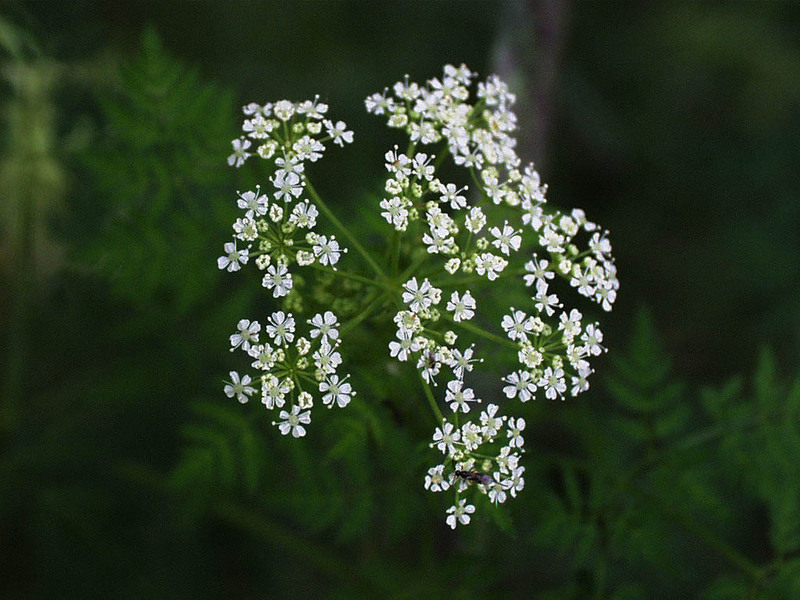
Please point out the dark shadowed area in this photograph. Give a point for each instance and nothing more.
(125, 472)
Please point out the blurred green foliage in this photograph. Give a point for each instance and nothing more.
(126, 473)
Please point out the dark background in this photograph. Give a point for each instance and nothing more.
(126, 473)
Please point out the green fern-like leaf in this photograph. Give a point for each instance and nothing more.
(643, 383)
(159, 167)
(223, 452)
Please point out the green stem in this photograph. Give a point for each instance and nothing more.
(345, 231)
(432, 401)
(473, 279)
(346, 275)
(485, 334)
(395, 251)
(421, 258)
(363, 315)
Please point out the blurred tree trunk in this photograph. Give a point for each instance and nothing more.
(527, 56)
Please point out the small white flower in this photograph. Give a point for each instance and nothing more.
(240, 388)
(378, 104)
(264, 355)
(419, 296)
(490, 264)
(592, 338)
(545, 302)
(461, 362)
(289, 185)
(579, 382)
(240, 153)
(247, 334)
(429, 364)
(435, 480)
(506, 240)
(458, 397)
(245, 229)
(335, 391)
(497, 490)
(530, 356)
(403, 349)
(570, 323)
(398, 163)
(446, 437)
(452, 196)
(452, 265)
(516, 481)
(233, 258)
(471, 436)
(325, 325)
(600, 245)
(476, 220)
(463, 308)
(491, 424)
(459, 513)
(517, 325)
(553, 382)
(253, 203)
(327, 252)
(278, 279)
(422, 168)
(515, 428)
(520, 384)
(273, 391)
(304, 215)
(339, 132)
(327, 358)
(395, 212)
(294, 421)
(284, 109)
(280, 327)
(307, 148)
(537, 271)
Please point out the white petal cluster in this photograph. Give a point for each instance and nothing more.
(277, 227)
(465, 216)
(495, 224)
(291, 369)
(482, 456)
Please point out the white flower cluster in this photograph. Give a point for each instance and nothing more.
(277, 228)
(290, 366)
(504, 221)
(477, 137)
(469, 444)
(461, 236)
(468, 451)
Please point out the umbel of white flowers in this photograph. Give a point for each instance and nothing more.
(492, 230)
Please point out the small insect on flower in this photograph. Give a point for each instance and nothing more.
(474, 476)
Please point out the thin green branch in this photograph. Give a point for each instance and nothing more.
(469, 326)
(345, 231)
(473, 279)
(347, 275)
(375, 303)
(432, 401)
